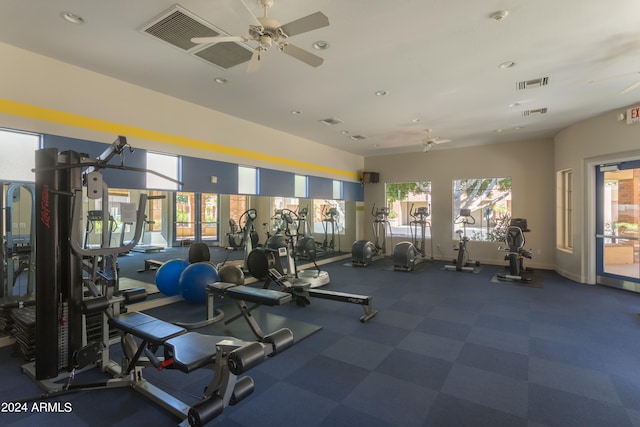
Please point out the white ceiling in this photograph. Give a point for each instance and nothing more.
(438, 60)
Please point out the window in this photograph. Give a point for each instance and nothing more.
(402, 199)
(337, 190)
(328, 217)
(237, 206)
(165, 164)
(301, 186)
(247, 180)
(564, 196)
(22, 146)
(489, 201)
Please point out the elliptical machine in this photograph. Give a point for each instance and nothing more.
(365, 252)
(461, 263)
(516, 253)
(329, 216)
(406, 255)
(249, 235)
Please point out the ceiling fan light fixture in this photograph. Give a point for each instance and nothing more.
(72, 18)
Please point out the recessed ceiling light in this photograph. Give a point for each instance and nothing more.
(381, 93)
(320, 45)
(220, 80)
(498, 131)
(72, 18)
(499, 15)
(358, 137)
(345, 132)
(416, 120)
(514, 104)
(507, 64)
(331, 121)
(296, 112)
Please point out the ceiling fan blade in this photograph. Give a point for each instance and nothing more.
(218, 39)
(256, 61)
(630, 88)
(308, 23)
(613, 77)
(253, 17)
(302, 55)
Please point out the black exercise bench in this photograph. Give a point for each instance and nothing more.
(242, 294)
(187, 351)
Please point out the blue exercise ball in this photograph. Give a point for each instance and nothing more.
(194, 281)
(168, 276)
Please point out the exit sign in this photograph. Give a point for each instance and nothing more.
(633, 115)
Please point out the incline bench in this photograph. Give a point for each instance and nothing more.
(187, 351)
(241, 295)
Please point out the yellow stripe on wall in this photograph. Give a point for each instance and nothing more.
(59, 117)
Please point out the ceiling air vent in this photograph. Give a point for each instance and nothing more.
(530, 84)
(358, 137)
(225, 55)
(332, 121)
(537, 111)
(177, 26)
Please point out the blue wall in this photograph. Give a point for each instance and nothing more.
(196, 174)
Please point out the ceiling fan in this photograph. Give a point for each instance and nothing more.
(430, 141)
(267, 32)
(625, 90)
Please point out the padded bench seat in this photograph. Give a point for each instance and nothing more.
(262, 296)
(146, 327)
(258, 295)
(192, 350)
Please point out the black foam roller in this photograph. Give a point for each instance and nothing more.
(95, 305)
(280, 340)
(245, 358)
(132, 296)
(203, 412)
(244, 387)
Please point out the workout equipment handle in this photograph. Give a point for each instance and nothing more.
(76, 232)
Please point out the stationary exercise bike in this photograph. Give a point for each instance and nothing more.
(515, 251)
(237, 232)
(406, 255)
(365, 252)
(462, 262)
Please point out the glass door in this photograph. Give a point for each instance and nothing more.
(617, 224)
(209, 217)
(196, 217)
